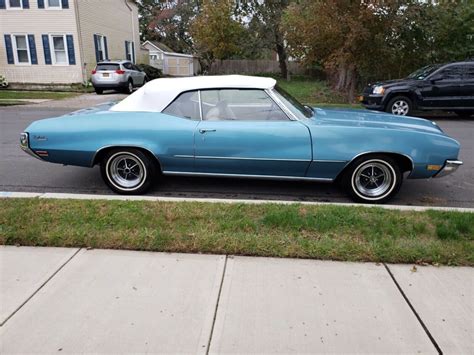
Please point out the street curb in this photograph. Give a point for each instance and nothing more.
(66, 196)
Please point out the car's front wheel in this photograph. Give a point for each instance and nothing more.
(127, 171)
(99, 91)
(400, 106)
(372, 179)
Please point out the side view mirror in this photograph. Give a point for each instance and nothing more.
(436, 77)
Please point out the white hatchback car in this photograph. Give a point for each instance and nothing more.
(117, 75)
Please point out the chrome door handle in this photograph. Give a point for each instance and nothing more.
(204, 130)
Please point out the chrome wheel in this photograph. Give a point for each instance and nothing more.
(126, 171)
(130, 87)
(374, 179)
(400, 107)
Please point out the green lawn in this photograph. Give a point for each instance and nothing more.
(14, 95)
(302, 231)
(315, 92)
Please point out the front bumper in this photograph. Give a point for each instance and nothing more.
(449, 167)
(372, 101)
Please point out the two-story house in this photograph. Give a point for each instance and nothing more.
(59, 42)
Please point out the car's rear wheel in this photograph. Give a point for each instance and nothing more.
(127, 171)
(372, 179)
(99, 91)
(400, 106)
(129, 88)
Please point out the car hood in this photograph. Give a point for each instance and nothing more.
(366, 118)
(387, 84)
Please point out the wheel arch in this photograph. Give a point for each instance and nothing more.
(401, 92)
(100, 153)
(404, 162)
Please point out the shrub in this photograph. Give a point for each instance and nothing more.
(151, 72)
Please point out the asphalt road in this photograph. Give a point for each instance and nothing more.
(20, 172)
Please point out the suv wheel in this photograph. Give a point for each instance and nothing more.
(372, 179)
(99, 91)
(400, 106)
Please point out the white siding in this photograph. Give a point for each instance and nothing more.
(110, 18)
(38, 22)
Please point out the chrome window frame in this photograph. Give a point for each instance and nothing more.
(286, 110)
(266, 91)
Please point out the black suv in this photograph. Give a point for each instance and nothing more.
(447, 87)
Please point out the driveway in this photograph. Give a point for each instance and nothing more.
(20, 172)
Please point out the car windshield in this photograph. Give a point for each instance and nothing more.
(299, 110)
(107, 66)
(422, 73)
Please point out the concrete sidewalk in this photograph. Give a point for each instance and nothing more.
(102, 301)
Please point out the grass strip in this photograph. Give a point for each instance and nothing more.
(15, 95)
(300, 231)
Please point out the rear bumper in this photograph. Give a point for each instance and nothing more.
(26, 147)
(449, 167)
(113, 85)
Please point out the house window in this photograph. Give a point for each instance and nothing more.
(22, 52)
(14, 4)
(129, 51)
(101, 47)
(59, 49)
(54, 4)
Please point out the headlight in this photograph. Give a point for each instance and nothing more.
(379, 90)
(24, 140)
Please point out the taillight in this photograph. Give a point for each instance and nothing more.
(94, 71)
(118, 71)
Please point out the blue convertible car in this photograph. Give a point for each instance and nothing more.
(241, 126)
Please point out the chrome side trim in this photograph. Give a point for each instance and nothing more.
(449, 167)
(329, 161)
(183, 156)
(239, 158)
(269, 177)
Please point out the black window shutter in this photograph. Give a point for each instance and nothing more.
(133, 52)
(26, 4)
(65, 4)
(47, 50)
(126, 50)
(32, 45)
(106, 49)
(40, 4)
(70, 50)
(9, 48)
(2, 4)
(96, 45)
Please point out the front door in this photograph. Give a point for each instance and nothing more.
(444, 92)
(244, 132)
(467, 87)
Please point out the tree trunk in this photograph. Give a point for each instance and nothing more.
(282, 57)
(345, 82)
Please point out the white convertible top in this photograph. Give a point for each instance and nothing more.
(159, 93)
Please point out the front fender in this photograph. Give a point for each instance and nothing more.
(336, 147)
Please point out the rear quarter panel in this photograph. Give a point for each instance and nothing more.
(75, 139)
